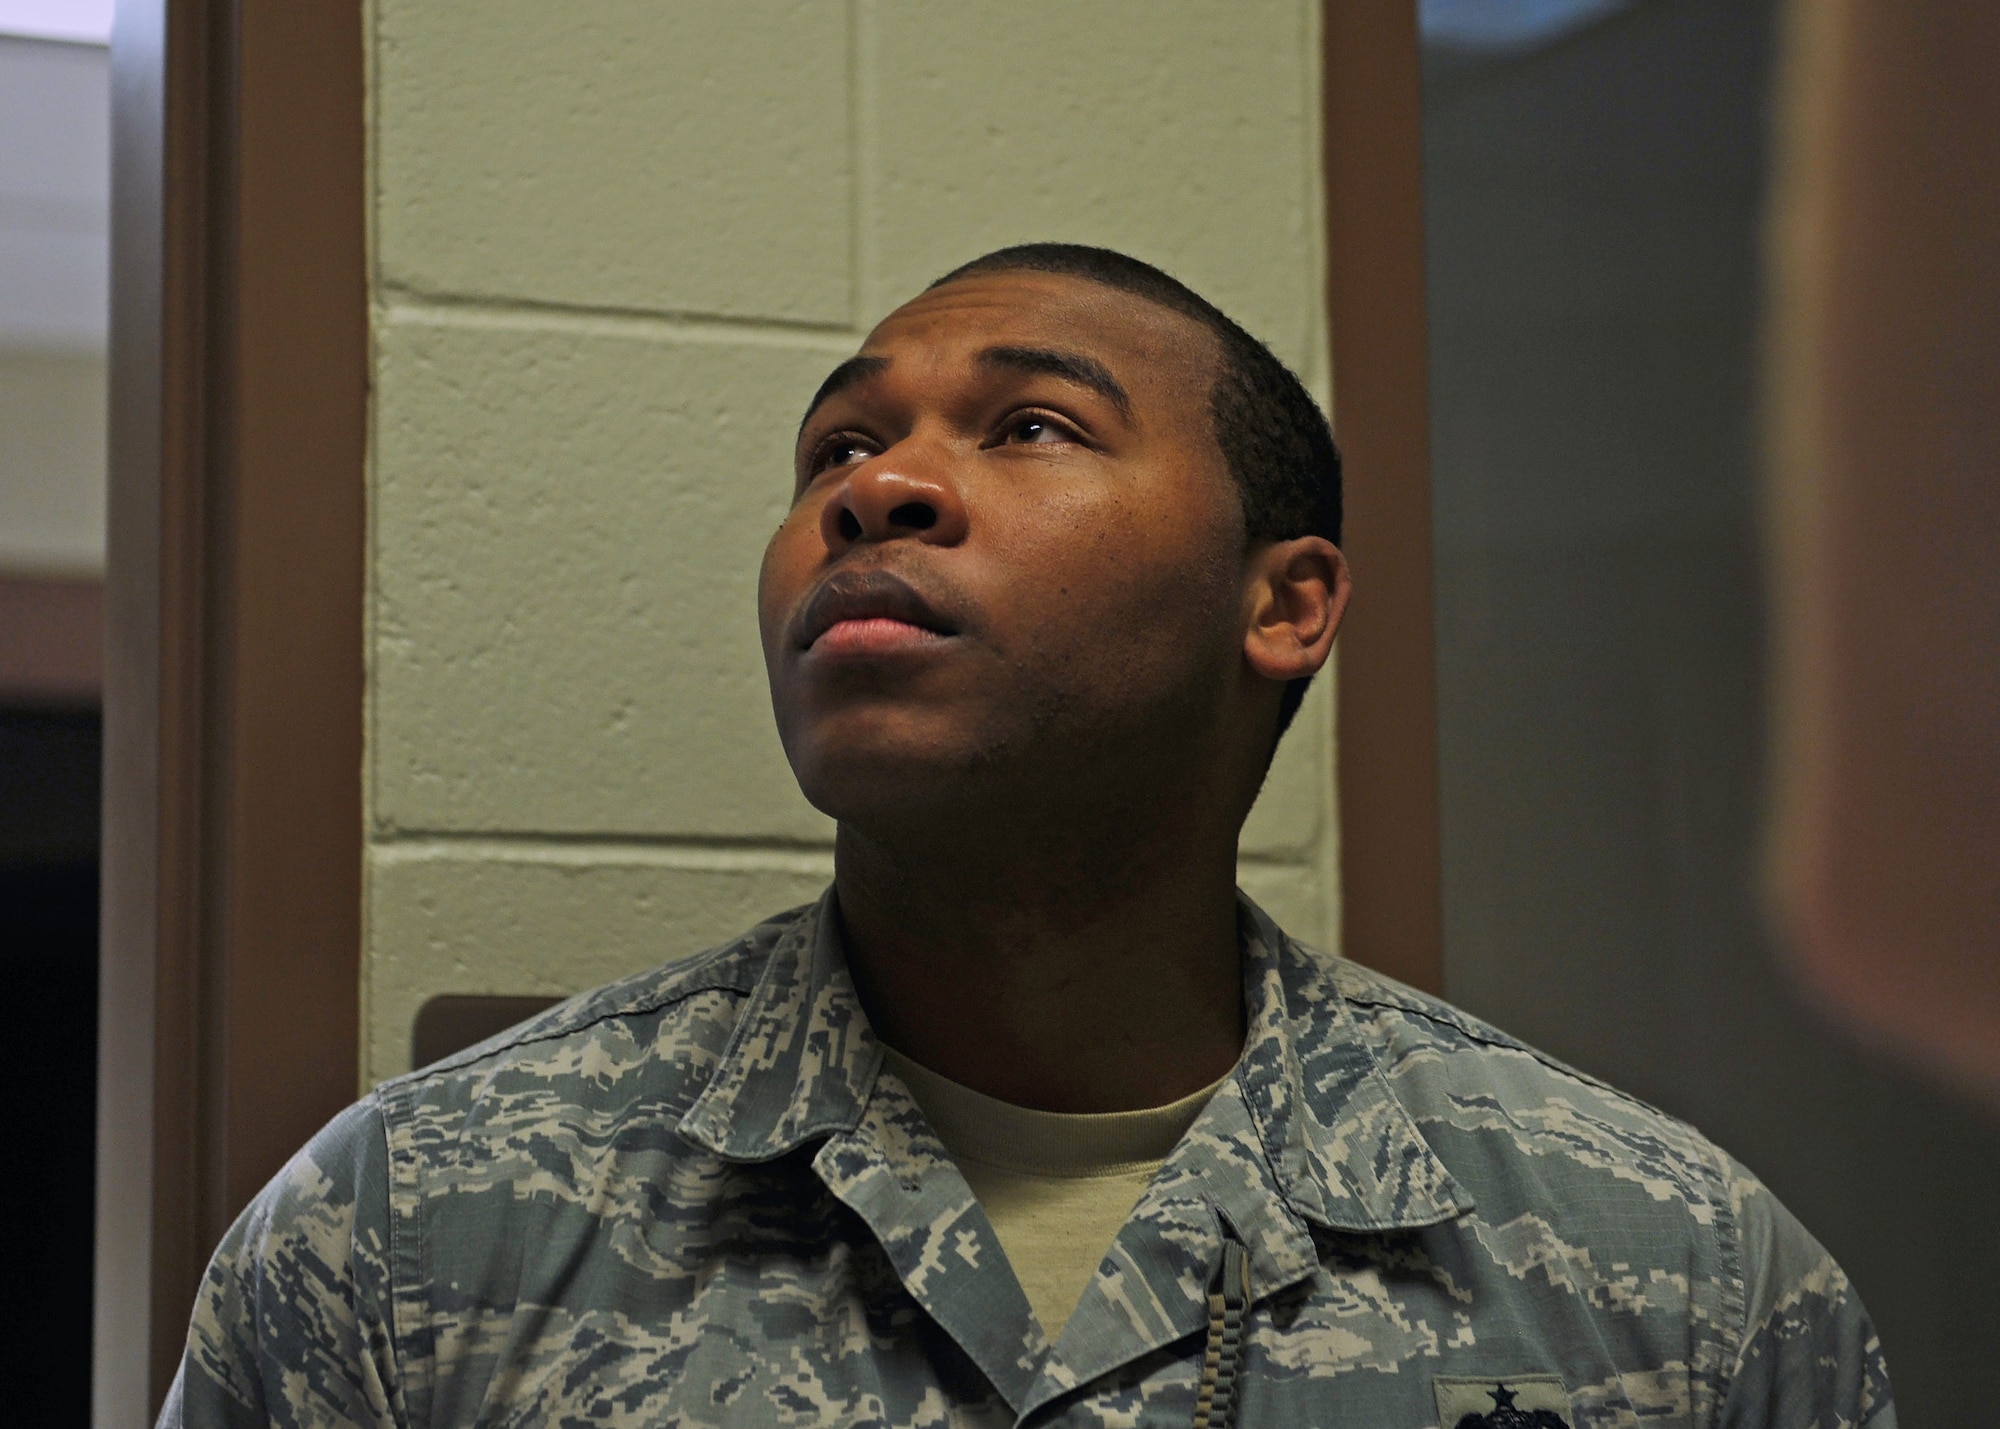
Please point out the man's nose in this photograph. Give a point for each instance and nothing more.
(893, 497)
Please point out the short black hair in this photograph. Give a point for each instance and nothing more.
(1275, 440)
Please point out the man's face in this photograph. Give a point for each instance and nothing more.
(1014, 550)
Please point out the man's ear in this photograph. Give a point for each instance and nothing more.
(1295, 593)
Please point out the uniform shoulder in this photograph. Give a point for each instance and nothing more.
(1403, 1021)
(1466, 1081)
(1565, 1169)
(297, 1315)
(657, 1035)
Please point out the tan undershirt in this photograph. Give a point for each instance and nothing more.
(1057, 1188)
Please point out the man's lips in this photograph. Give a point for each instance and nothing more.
(874, 636)
(867, 611)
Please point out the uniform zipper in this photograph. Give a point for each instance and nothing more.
(1222, 1361)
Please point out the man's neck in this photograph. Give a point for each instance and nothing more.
(1072, 972)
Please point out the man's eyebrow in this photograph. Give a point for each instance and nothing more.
(850, 372)
(1070, 366)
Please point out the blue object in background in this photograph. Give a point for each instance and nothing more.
(1508, 25)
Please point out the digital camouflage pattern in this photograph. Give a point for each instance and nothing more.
(694, 1197)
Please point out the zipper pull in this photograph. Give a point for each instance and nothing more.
(1222, 1361)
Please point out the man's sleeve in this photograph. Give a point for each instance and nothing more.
(291, 1326)
(1809, 1357)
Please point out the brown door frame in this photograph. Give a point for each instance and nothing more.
(1372, 86)
(52, 642)
(233, 670)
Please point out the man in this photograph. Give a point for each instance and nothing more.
(1032, 1118)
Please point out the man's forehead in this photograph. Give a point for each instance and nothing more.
(1101, 337)
(1024, 307)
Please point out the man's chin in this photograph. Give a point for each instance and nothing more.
(890, 784)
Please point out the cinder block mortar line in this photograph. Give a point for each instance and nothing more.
(676, 851)
(511, 315)
(861, 138)
(1304, 856)
(515, 845)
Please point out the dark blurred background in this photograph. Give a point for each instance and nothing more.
(54, 280)
(48, 1057)
(1595, 194)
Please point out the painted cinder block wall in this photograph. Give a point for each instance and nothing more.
(615, 246)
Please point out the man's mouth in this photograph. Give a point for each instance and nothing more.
(868, 612)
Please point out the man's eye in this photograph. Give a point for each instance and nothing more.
(840, 451)
(1033, 429)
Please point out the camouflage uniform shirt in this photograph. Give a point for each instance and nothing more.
(695, 1197)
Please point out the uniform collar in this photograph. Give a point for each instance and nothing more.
(1308, 1132)
(1341, 1149)
(802, 1060)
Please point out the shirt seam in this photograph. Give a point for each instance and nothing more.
(257, 1232)
(1736, 1301)
(717, 980)
(1106, 1173)
(406, 1255)
(1500, 1041)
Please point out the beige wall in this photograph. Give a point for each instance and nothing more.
(616, 246)
(51, 462)
(55, 189)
